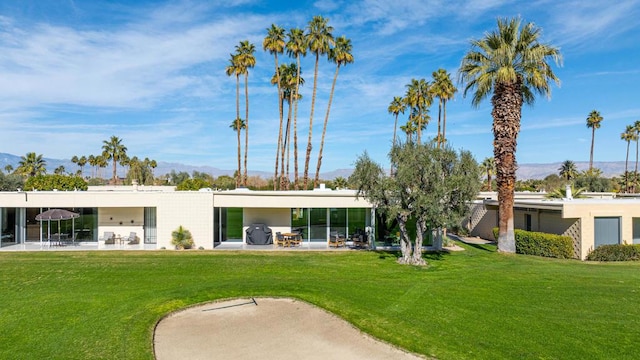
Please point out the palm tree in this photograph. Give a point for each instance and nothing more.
(396, 108)
(288, 84)
(443, 89)
(93, 163)
(593, 122)
(320, 40)
(488, 166)
(245, 51)
(568, 170)
(235, 68)
(238, 125)
(114, 150)
(296, 47)
(418, 97)
(82, 161)
(636, 127)
(31, 165)
(628, 135)
(59, 170)
(8, 169)
(340, 54)
(74, 159)
(274, 43)
(511, 63)
(101, 162)
(409, 129)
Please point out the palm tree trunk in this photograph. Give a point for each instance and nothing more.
(439, 116)
(295, 125)
(276, 177)
(444, 122)
(280, 105)
(324, 128)
(507, 106)
(239, 176)
(626, 172)
(288, 141)
(285, 143)
(593, 136)
(395, 126)
(313, 103)
(246, 124)
(115, 170)
(635, 171)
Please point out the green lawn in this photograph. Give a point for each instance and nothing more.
(474, 304)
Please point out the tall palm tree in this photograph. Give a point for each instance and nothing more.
(245, 51)
(396, 108)
(31, 165)
(443, 89)
(288, 84)
(488, 166)
(319, 38)
(235, 68)
(238, 125)
(510, 63)
(636, 127)
(274, 43)
(82, 161)
(8, 168)
(93, 163)
(340, 54)
(75, 159)
(568, 170)
(101, 162)
(114, 150)
(59, 170)
(418, 98)
(593, 122)
(628, 135)
(409, 129)
(296, 47)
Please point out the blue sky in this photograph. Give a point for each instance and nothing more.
(73, 73)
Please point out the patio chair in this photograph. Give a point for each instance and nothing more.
(280, 240)
(359, 239)
(133, 239)
(336, 239)
(109, 238)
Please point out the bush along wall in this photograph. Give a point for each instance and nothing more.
(542, 244)
(617, 252)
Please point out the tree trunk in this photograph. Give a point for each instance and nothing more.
(279, 156)
(416, 258)
(395, 126)
(444, 122)
(280, 105)
(439, 116)
(288, 142)
(507, 107)
(405, 243)
(295, 126)
(635, 171)
(324, 128)
(238, 177)
(313, 103)
(593, 136)
(626, 172)
(246, 124)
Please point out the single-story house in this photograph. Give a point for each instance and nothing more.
(598, 219)
(153, 213)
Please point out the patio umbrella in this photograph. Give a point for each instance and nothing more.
(55, 214)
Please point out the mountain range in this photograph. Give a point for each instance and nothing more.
(524, 172)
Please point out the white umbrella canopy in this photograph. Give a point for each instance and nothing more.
(56, 214)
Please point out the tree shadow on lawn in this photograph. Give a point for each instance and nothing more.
(427, 255)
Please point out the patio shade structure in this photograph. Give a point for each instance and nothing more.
(56, 214)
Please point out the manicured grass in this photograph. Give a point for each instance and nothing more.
(474, 304)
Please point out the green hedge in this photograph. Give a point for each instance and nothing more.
(615, 252)
(542, 244)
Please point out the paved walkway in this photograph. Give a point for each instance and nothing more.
(265, 328)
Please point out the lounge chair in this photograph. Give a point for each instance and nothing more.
(109, 238)
(132, 239)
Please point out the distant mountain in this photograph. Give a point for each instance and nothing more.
(525, 171)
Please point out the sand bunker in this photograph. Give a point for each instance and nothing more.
(267, 329)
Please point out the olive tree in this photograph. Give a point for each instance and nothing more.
(430, 186)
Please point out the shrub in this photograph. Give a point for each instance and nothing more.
(542, 244)
(615, 252)
(182, 238)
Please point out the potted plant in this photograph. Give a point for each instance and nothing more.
(181, 238)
